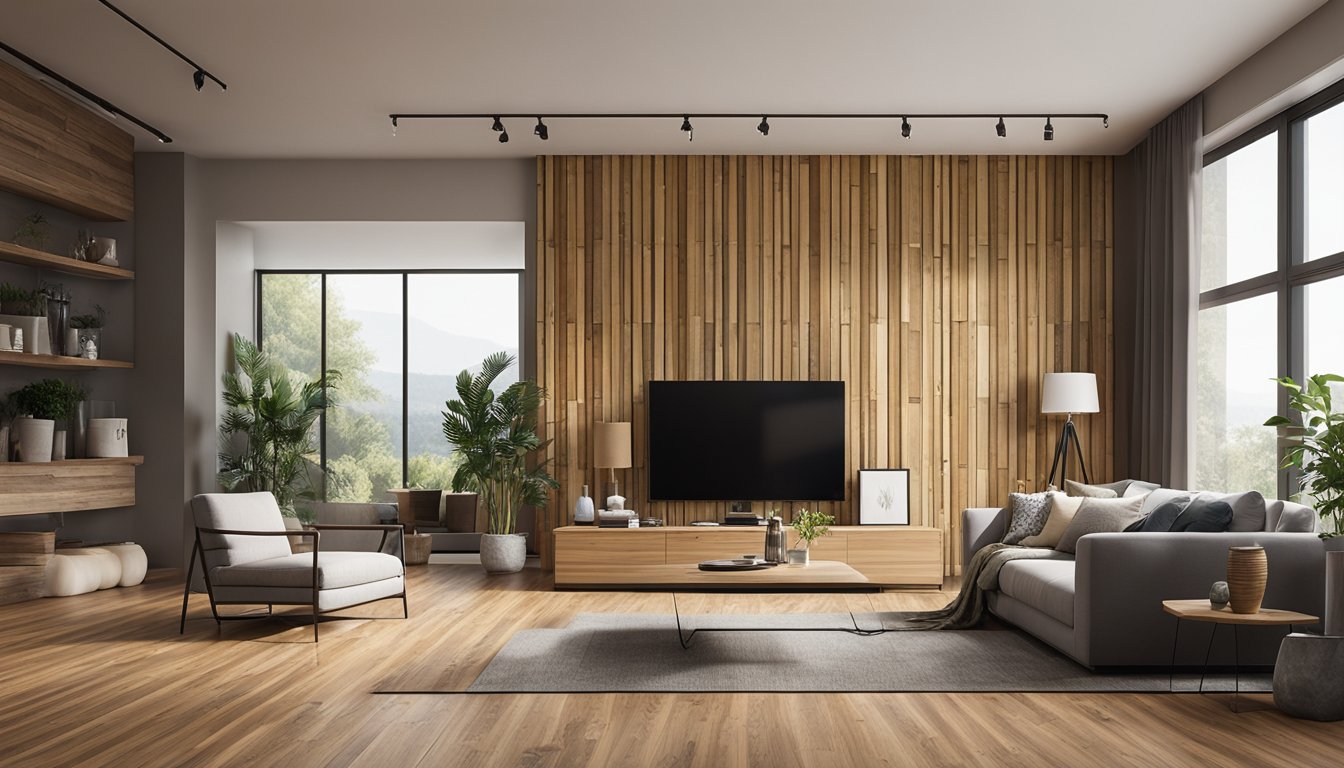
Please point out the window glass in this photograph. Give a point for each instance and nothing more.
(455, 321)
(1240, 215)
(364, 345)
(1323, 137)
(1235, 393)
(1323, 305)
(291, 322)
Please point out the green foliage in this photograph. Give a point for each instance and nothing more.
(1315, 441)
(32, 231)
(494, 436)
(96, 320)
(48, 399)
(20, 301)
(266, 436)
(811, 526)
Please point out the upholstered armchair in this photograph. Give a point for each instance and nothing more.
(246, 559)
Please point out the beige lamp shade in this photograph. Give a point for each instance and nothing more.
(611, 444)
(1069, 393)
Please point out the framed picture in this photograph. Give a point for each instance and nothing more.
(884, 497)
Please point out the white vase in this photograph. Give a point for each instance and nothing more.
(503, 553)
(107, 438)
(58, 445)
(583, 509)
(34, 437)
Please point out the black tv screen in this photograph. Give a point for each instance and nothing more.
(746, 440)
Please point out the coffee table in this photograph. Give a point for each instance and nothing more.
(1202, 610)
(817, 576)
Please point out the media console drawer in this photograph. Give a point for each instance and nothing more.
(890, 556)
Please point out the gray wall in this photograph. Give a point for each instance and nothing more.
(197, 285)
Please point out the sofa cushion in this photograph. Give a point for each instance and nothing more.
(1295, 518)
(1108, 491)
(1029, 512)
(1161, 496)
(1248, 509)
(238, 512)
(1099, 516)
(1162, 518)
(1046, 585)
(334, 570)
(1062, 510)
(1204, 516)
(1139, 488)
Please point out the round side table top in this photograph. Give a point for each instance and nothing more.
(1202, 610)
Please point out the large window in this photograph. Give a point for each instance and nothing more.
(1271, 283)
(398, 340)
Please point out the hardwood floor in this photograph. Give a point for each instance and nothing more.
(104, 679)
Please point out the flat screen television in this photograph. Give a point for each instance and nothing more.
(746, 440)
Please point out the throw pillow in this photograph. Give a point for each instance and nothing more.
(1296, 518)
(1161, 496)
(1139, 488)
(1204, 516)
(1062, 510)
(1162, 518)
(1099, 516)
(1029, 511)
(1073, 488)
(1248, 509)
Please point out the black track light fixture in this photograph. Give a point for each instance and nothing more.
(497, 126)
(764, 127)
(1049, 130)
(198, 78)
(686, 126)
(905, 128)
(503, 137)
(1001, 129)
(200, 74)
(394, 126)
(540, 131)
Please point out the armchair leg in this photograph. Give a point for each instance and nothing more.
(405, 611)
(186, 590)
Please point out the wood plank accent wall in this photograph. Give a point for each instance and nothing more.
(939, 288)
(55, 150)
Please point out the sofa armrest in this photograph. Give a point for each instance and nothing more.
(1121, 579)
(981, 526)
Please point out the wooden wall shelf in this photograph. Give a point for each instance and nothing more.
(74, 485)
(59, 362)
(29, 257)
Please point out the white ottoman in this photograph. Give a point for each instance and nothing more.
(134, 564)
(108, 565)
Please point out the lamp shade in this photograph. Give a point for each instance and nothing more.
(611, 444)
(1069, 393)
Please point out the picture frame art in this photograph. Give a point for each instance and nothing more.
(884, 497)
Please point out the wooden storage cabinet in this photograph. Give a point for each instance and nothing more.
(890, 556)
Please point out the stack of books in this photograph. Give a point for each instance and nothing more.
(617, 518)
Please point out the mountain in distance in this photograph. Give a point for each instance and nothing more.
(433, 351)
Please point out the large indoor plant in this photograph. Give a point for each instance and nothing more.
(266, 435)
(42, 403)
(495, 437)
(1315, 441)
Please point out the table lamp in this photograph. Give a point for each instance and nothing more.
(611, 451)
(1068, 393)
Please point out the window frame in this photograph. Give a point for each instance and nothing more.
(406, 274)
(1292, 271)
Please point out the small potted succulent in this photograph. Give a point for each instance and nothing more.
(41, 404)
(810, 526)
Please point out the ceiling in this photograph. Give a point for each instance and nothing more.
(317, 78)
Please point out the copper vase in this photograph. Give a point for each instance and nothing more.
(1247, 569)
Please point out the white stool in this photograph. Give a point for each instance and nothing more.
(78, 571)
(134, 564)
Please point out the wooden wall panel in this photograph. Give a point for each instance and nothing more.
(939, 288)
(55, 150)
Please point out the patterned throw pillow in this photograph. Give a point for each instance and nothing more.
(1029, 512)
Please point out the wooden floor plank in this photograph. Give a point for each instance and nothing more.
(104, 679)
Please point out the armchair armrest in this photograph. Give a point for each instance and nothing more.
(387, 529)
(230, 532)
(981, 526)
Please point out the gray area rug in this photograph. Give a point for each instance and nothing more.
(610, 653)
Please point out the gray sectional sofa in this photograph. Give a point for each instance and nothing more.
(1103, 608)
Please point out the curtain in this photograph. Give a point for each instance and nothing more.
(1157, 193)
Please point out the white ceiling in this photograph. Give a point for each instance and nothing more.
(316, 78)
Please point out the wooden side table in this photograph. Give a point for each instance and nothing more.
(1202, 610)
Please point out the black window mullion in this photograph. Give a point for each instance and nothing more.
(405, 379)
(322, 373)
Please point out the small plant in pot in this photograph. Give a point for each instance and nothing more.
(496, 435)
(810, 526)
(266, 435)
(1315, 440)
(40, 405)
(86, 334)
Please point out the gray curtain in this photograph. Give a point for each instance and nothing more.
(1157, 207)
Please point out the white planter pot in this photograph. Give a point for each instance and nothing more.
(33, 330)
(505, 553)
(58, 440)
(107, 438)
(34, 438)
(798, 556)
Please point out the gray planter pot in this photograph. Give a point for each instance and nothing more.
(505, 553)
(34, 438)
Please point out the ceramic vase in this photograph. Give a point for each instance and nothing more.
(58, 441)
(34, 438)
(1247, 570)
(583, 509)
(107, 438)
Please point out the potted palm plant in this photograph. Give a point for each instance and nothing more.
(1315, 442)
(266, 436)
(810, 526)
(495, 436)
